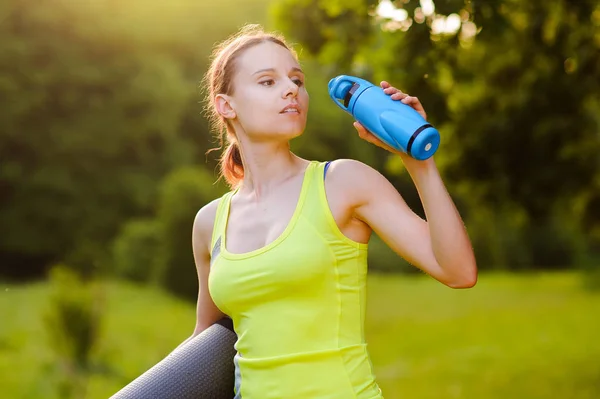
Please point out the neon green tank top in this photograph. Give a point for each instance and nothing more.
(297, 305)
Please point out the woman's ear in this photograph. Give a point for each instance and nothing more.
(224, 107)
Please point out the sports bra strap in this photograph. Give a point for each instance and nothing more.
(326, 166)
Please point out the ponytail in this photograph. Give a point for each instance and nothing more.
(232, 168)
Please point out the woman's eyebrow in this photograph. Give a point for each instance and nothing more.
(294, 69)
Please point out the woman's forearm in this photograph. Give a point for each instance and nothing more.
(449, 239)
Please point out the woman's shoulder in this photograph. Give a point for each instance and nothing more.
(345, 170)
(353, 178)
(205, 218)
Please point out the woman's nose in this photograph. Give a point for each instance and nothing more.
(291, 88)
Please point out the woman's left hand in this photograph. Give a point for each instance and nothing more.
(398, 95)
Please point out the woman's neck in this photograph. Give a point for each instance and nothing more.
(267, 165)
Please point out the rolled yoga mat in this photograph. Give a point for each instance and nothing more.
(201, 369)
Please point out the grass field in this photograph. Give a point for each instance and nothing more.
(528, 337)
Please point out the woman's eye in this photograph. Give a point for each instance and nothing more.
(299, 82)
(267, 82)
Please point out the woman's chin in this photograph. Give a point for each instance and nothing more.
(283, 133)
(296, 133)
(289, 133)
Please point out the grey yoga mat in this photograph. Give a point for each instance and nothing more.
(201, 369)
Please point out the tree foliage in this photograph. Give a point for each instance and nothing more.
(514, 89)
(102, 125)
(100, 102)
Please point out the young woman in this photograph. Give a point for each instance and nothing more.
(284, 253)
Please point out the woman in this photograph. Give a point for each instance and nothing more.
(284, 252)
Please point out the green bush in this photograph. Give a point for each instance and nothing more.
(383, 259)
(182, 194)
(135, 250)
(72, 321)
(589, 262)
(497, 239)
(591, 275)
(507, 239)
(554, 245)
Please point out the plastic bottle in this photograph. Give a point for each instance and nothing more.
(393, 122)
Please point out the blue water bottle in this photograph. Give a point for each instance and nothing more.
(393, 122)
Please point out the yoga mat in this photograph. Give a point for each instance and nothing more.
(201, 369)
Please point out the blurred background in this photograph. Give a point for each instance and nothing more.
(103, 166)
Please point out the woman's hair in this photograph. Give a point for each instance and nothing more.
(218, 80)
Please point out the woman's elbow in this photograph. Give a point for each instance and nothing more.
(467, 283)
(465, 280)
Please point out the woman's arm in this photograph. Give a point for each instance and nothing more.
(207, 312)
(439, 246)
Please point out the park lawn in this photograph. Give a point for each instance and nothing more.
(529, 337)
(526, 336)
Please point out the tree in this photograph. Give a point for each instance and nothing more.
(513, 87)
(102, 101)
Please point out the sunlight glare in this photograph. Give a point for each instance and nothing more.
(446, 25)
(386, 9)
(427, 7)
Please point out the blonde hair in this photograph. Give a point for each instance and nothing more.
(218, 80)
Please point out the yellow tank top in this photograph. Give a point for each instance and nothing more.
(297, 305)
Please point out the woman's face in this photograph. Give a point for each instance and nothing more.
(269, 97)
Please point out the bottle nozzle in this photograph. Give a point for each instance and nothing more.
(341, 90)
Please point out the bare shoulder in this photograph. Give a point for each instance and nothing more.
(203, 224)
(351, 168)
(354, 178)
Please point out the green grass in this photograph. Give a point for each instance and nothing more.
(508, 337)
(511, 336)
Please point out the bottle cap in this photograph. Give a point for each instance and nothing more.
(423, 143)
